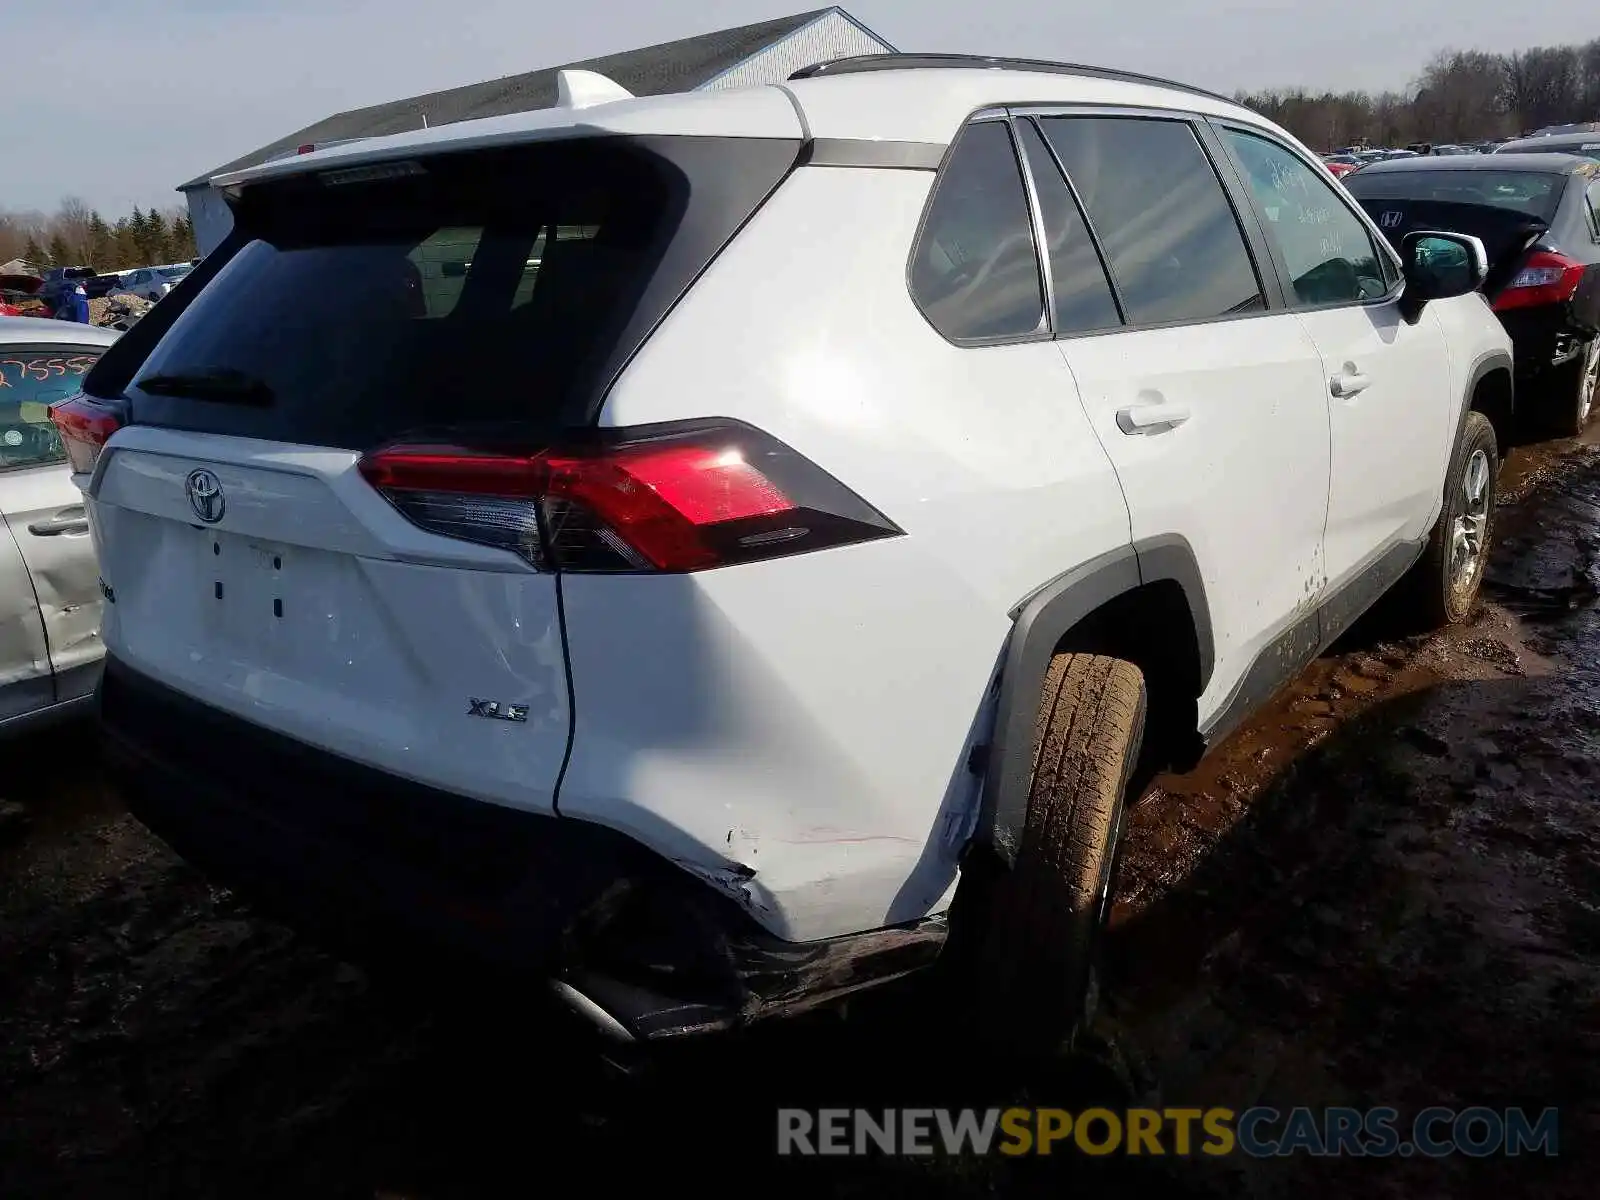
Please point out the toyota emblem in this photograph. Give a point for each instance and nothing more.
(205, 496)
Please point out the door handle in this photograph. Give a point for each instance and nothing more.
(1347, 384)
(1151, 418)
(68, 520)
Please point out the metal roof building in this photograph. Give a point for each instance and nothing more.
(766, 52)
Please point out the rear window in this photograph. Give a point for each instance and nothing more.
(492, 286)
(1536, 194)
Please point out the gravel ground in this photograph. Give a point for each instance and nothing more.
(1386, 889)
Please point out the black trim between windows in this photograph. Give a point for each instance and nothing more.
(1088, 225)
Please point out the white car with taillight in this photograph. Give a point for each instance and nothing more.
(713, 553)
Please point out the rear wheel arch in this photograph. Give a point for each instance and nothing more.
(1490, 390)
(1143, 603)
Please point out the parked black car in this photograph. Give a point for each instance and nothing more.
(1538, 216)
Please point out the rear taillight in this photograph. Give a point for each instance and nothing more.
(684, 497)
(1545, 278)
(85, 427)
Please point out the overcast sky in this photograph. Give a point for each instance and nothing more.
(119, 102)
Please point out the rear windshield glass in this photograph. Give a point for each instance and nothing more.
(479, 287)
(1535, 194)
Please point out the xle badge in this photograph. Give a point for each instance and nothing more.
(496, 711)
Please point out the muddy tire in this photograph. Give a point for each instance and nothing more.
(1038, 924)
(1573, 390)
(1442, 589)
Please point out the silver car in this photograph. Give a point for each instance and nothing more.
(50, 648)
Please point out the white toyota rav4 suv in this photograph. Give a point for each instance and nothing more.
(716, 552)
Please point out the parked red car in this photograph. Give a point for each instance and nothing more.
(14, 288)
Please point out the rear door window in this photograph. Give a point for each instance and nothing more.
(488, 287)
(30, 382)
(1170, 235)
(975, 271)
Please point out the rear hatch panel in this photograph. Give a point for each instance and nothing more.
(248, 562)
(312, 608)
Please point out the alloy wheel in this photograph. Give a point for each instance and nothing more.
(1586, 385)
(1468, 534)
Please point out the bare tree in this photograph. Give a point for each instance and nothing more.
(74, 224)
(1461, 95)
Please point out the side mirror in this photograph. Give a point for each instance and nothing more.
(1438, 266)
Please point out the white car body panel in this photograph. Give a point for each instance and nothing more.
(45, 515)
(386, 631)
(929, 104)
(1243, 480)
(50, 648)
(26, 684)
(1377, 497)
(829, 789)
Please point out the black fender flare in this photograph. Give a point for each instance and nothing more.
(1482, 366)
(1040, 623)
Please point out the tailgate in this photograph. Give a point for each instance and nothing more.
(253, 567)
(270, 581)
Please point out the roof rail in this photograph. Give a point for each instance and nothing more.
(863, 63)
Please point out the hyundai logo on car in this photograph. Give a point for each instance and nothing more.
(205, 496)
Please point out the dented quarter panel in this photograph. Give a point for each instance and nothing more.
(25, 682)
(823, 807)
(45, 516)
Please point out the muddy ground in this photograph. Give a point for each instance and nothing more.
(1385, 890)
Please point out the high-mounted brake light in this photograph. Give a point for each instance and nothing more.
(1546, 278)
(677, 498)
(85, 427)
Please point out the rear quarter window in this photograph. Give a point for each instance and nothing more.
(975, 270)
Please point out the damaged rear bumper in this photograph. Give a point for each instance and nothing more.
(1546, 338)
(386, 869)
